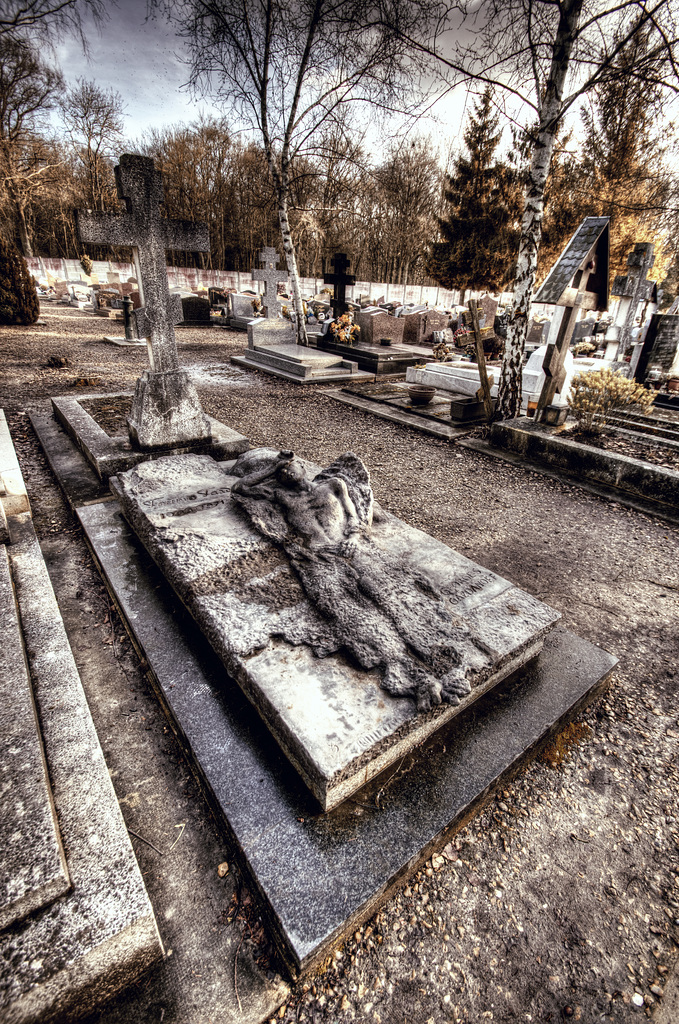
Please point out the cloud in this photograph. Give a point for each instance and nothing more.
(140, 59)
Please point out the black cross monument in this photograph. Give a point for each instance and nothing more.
(339, 280)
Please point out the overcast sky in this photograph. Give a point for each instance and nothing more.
(141, 59)
(138, 58)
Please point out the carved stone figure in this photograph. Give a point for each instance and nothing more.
(376, 607)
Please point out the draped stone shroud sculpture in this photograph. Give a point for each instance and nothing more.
(375, 606)
(327, 610)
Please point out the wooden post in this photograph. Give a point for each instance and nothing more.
(481, 359)
(555, 356)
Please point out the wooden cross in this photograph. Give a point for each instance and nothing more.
(140, 187)
(268, 257)
(339, 280)
(555, 356)
(578, 280)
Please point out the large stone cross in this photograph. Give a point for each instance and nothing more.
(339, 280)
(271, 277)
(141, 228)
(166, 411)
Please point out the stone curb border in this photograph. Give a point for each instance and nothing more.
(628, 478)
(100, 936)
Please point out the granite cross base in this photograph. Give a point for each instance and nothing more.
(334, 720)
(319, 875)
(110, 455)
(166, 412)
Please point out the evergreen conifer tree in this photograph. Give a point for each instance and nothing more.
(18, 299)
(624, 175)
(480, 234)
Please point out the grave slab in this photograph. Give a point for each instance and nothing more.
(336, 723)
(374, 359)
(340, 866)
(398, 413)
(272, 348)
(99, 936)
(109, 455)
(33, 871)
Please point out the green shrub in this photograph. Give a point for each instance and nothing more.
(595, 397)
(18, 299)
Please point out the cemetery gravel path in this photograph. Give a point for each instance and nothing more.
(561, 899)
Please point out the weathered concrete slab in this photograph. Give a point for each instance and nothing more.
(337, 724)
(77, 477)
(33, 869)
(407, 418)
(90, 942)
(111, 455)
(319, 875)
(13, 496)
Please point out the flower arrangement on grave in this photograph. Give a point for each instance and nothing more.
(442, 352)
(257, 306)
(595, 396)
(584, 348)
(460, 337)
(86, 264)
(289, 313)
(344, 329)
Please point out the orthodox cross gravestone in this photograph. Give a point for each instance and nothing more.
(632, 288)
(577, 281)
(339, 279)
(660, 346)
(271, 277)
(166, 410)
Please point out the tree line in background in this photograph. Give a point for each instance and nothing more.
(402, 217)
(383, 214)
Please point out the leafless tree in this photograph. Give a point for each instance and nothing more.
(18, 18)
(544, 55)
(94, 121)
(29, 87)
(285, 68)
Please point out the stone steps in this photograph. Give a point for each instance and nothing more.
(33, 870)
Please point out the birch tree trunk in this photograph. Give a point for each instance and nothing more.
(509, 392)
(291, 262)
(26, 247)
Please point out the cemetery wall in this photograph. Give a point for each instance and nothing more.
(48, 270)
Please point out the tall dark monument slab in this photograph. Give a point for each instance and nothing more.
(166, 410)
(339, 280)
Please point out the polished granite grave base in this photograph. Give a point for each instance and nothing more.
(109, 455)
(376, 359)
(319, 874)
